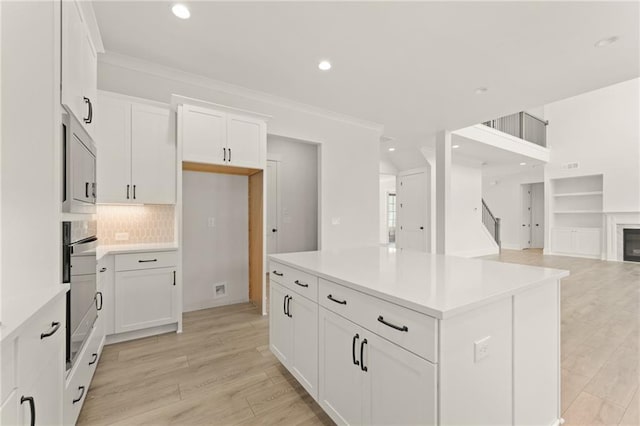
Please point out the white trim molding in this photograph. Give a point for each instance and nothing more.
(151, 68)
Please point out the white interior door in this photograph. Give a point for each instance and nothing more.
(411, 205)
(525, 226)
(537, 215)
(272, 207)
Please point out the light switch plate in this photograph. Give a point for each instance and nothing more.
(481, 349)
(335, 221)
(211, 222)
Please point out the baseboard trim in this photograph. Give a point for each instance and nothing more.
(139, 334)
(213, 303)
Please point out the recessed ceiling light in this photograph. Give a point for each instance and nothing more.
(523, 164)
(392, 149)
(481, 90)
(606, 41)
(324, 65)
(455, 146)
(181, 11)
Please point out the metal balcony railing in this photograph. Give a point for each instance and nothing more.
(491, 222)
(522, 125)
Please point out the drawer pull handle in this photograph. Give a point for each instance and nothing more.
(95, 358)
(362, 366)
(32, 407)
(301, 284)
(54, 327)
(78, 399)
(278, 273)
(341, 302)
(147, 260)
(353, 349)
(396, 327)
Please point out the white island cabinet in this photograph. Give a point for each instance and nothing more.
(378, 336)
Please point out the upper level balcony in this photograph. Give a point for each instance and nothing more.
(522, 125)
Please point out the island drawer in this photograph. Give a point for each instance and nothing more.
(148, 260)
(409, 329)
(301, 282)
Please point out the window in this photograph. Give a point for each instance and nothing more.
(391, 216)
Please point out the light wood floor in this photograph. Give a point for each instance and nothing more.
(599, 337)
(220, 370)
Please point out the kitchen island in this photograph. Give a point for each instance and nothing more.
(379, 336)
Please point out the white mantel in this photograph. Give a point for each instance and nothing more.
(615, 223)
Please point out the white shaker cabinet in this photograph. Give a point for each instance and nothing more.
(146, 291)
(222, 137)
(294, 334)
(137, 161)
(364, 379)
(79, 64)
(576, 241)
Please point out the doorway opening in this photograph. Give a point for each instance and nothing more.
(388, 210)
(292, 195)
(532, 229)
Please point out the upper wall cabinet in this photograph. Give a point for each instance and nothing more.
(137, 161)
(80, 62)
(221, 137)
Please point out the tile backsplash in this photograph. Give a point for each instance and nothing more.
(144, 224)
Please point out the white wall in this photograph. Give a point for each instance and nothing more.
(349, 161)
(298, 185)
(503, 195)
(387, 185)
(466, 235)
(219, 253)
(599, 130)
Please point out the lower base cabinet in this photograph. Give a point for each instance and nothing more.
(364, 379)
(294, 335)
(576, 241)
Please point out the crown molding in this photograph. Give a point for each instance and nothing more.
(151, 68)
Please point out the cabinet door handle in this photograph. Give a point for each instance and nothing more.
(87, 101)
(86, 190)
(229, 154)
(128, 191)
(78, 399)
(341, 302)
(54, 327)
(32, 407)
(362, 366)
(353, 349)
(396, 327)
(147, 260)
(284, 305)
(289, 307)
(99, 307)
(174, 277)
(224, 150)
(278, 273)
(301, 284)
(95, 358)
(134, 192)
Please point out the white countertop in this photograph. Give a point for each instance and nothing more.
(436, 285)
(134, 248)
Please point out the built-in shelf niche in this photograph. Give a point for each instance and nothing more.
(577, 201)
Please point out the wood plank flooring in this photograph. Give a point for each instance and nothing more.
(220, 370)
(599, 337)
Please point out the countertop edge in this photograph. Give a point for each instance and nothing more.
(133, 248)
(437, 313)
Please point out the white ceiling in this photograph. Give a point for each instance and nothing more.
(411, 66)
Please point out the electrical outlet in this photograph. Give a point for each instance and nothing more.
(122, 236)
(481, 348)
(211, 222)
(335, 221)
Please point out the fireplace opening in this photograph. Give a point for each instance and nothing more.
(631, 247)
